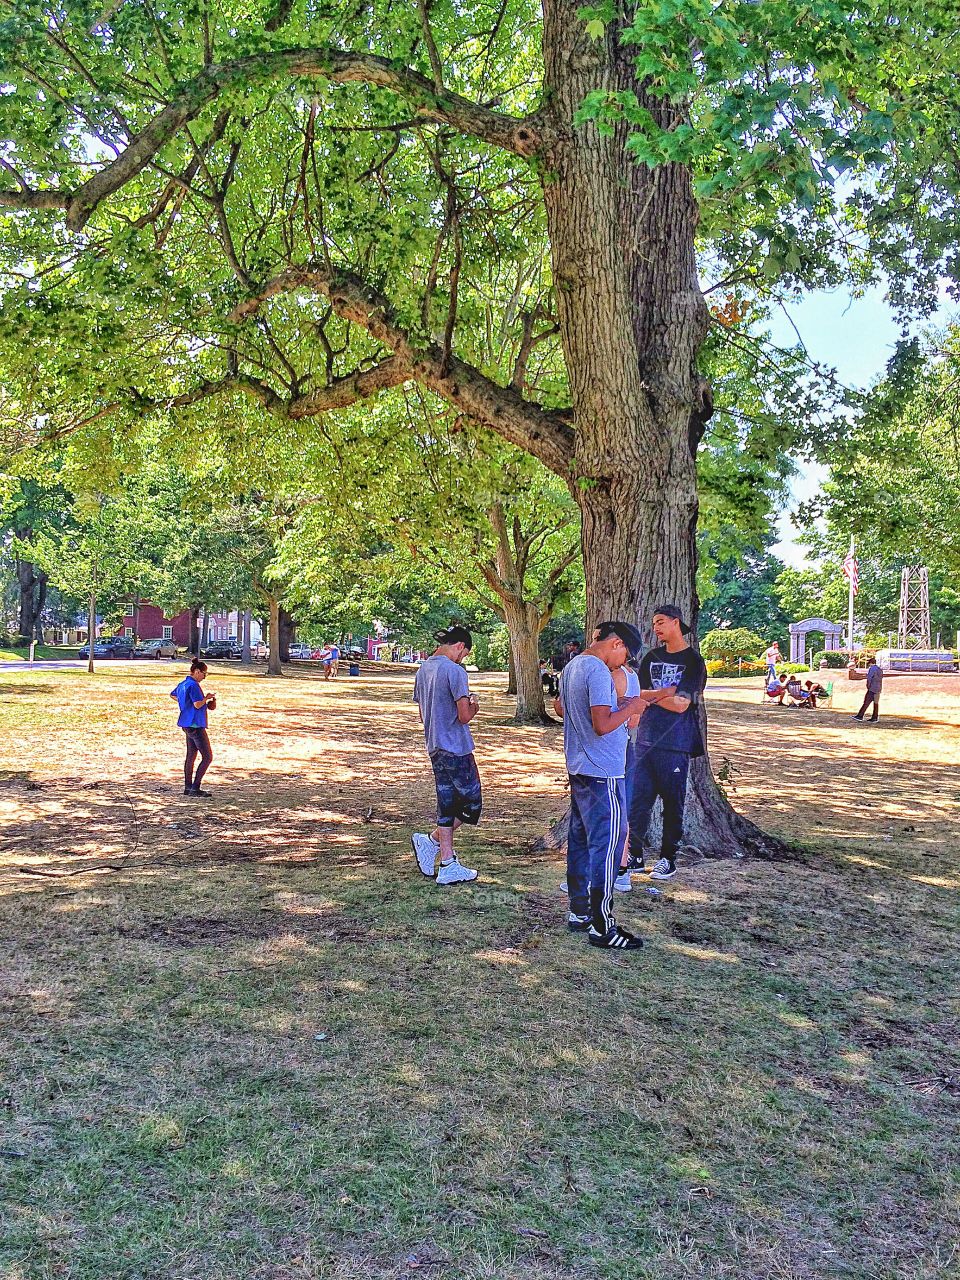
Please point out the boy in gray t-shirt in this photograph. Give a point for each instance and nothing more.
(595, 747)
(446, 707)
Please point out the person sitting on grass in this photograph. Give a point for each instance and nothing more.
(447, 706)
(194, 704)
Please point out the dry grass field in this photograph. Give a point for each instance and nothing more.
(242, 1037)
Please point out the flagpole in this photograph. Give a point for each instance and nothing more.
(850, 603)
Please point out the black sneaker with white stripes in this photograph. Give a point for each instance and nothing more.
(615, 939)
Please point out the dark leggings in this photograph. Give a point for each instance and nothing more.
(198, 744)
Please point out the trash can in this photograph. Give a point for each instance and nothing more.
(354, 668)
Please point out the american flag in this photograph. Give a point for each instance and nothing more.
(851, 571)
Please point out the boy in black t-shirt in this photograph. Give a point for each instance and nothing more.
(669, 737)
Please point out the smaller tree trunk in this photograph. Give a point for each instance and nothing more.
(40, 605)
(523, 623)
(195, 631)
(288, 629)
(247, 655)
(273, 638)
(204, 630)
(91, 628)
(26, 583)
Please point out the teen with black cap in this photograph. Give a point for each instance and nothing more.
(447, 706)
(595, 746)
(668, 738)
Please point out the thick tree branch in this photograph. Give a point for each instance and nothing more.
(500, 409)
(523, 136)
(339, 394)
(25, 198)
(347, 390)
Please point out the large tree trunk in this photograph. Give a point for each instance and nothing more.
(523, 623)
(195, 631)
(632, 319)
(273, 661)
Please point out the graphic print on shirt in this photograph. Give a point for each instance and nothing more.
(665, 674)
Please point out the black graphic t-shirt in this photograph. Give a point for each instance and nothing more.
(670, 730)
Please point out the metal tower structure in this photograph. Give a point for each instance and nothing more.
(913, 631)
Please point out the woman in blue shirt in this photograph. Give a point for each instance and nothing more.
(194, 703)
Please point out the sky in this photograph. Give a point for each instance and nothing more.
(857, 337)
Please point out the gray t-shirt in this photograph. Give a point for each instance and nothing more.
(586, 682)
(440, 683)
(874, 678)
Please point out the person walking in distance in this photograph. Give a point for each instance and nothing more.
(595, 747)
(194, 705)
(442, 693)
(771, 657)
(874, 686)
(668, 738)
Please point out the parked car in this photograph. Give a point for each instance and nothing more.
(260, 650)
(222, 649)
(156, 649)
(109, 647)
(301, 651)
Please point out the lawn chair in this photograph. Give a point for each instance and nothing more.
(826, 699)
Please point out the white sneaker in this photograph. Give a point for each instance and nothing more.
(563, 885)
(622, 884)
(662, 870)
(453, 873)
(425, 850)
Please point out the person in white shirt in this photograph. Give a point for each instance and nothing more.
(771, 657)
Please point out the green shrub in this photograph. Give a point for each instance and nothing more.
(727, 644)
(793, 668)
(718, 667)
(834, 659)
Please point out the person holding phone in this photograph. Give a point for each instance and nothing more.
(595, 722)
(194, 705)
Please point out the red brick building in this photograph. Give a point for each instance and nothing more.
(148, 622)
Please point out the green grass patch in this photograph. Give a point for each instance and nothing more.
(47, 652)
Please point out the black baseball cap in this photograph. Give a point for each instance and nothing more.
(671, 611)
(630, 636)
(454, 634)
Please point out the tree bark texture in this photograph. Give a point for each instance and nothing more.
(195, 631)
(632, 319)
